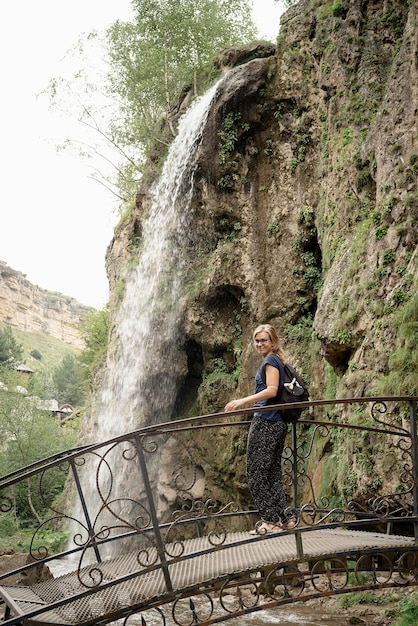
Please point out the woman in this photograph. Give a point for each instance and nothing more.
(267, 435)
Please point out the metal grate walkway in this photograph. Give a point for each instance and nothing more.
(121, 586)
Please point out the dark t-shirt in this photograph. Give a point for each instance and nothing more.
(260, 384)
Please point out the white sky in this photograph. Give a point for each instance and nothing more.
(55, 221)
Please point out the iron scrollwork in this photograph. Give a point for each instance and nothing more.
(188, 610)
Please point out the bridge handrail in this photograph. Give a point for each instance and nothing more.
(164, 538)
(230, 419)
(173, 425)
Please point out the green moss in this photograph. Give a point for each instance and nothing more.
(363, 597)
(331, 380)
(401, 378)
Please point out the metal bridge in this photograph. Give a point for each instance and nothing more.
(174, 553)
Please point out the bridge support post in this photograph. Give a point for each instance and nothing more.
(299, 545)
(85, 510)
(414, 454)
(153, 513)
(295, 465)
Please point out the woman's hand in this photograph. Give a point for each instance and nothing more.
(265, 394)
(234, 404)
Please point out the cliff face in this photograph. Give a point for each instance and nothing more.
(306, 202)
(29, 308)
(305, 208)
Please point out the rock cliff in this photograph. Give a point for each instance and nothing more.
(306, 201)
(29, 308)
(305, 209)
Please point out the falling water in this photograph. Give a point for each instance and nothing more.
(144, 363)
(142, 376)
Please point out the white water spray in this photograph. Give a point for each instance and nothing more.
(145, 364)
(142, 376)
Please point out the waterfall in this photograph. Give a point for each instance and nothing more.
(145, 362)
(141, 381)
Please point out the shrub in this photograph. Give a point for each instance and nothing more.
(380, 231)
(388, 256)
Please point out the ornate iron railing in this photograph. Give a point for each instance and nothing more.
(172, 500)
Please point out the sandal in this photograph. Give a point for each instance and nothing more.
(263, 528)
(290, 524)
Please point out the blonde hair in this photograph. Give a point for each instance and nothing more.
(274, 338)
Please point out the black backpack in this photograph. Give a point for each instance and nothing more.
(292, 390)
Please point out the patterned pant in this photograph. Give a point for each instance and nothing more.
(264, 467)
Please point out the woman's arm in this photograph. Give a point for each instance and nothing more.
(272, 382)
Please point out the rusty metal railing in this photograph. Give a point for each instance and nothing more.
(151, 491)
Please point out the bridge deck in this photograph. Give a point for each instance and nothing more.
(239, 554)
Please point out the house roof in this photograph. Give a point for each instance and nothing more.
(24, 368)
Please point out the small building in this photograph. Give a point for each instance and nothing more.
(25, 371)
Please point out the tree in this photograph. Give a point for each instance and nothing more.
(159, 53)
(11, 352)
(68, 383)
(95, 334)
(152, 59)
(28, 434)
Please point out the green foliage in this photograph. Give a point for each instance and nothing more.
(362, 597)
(30, 433)
(95, 333)
(273, 228)
(342, 336)
(11, 352)
(229, 230)
(302, 141)
(401, 378)
(306, 215)
(388, 256)
(20, 540)
(216, 387)
(163, 50)
(67, 380)
(408, 609)
(376, 217)
(331, 380)
(380, 231)
(229, 134)
(218, 366)
(312, 276)
(161, 57)
(413, 161)
(51, 349)
(301, 331)
(399, 296)
(268, 147)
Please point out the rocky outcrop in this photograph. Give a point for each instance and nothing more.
(305, 209)
(29, 308)
(16, 560)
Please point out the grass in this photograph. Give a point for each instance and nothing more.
(407, 610)
(363, 597)
(403, 612)
(21, 541)
(51, 349)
